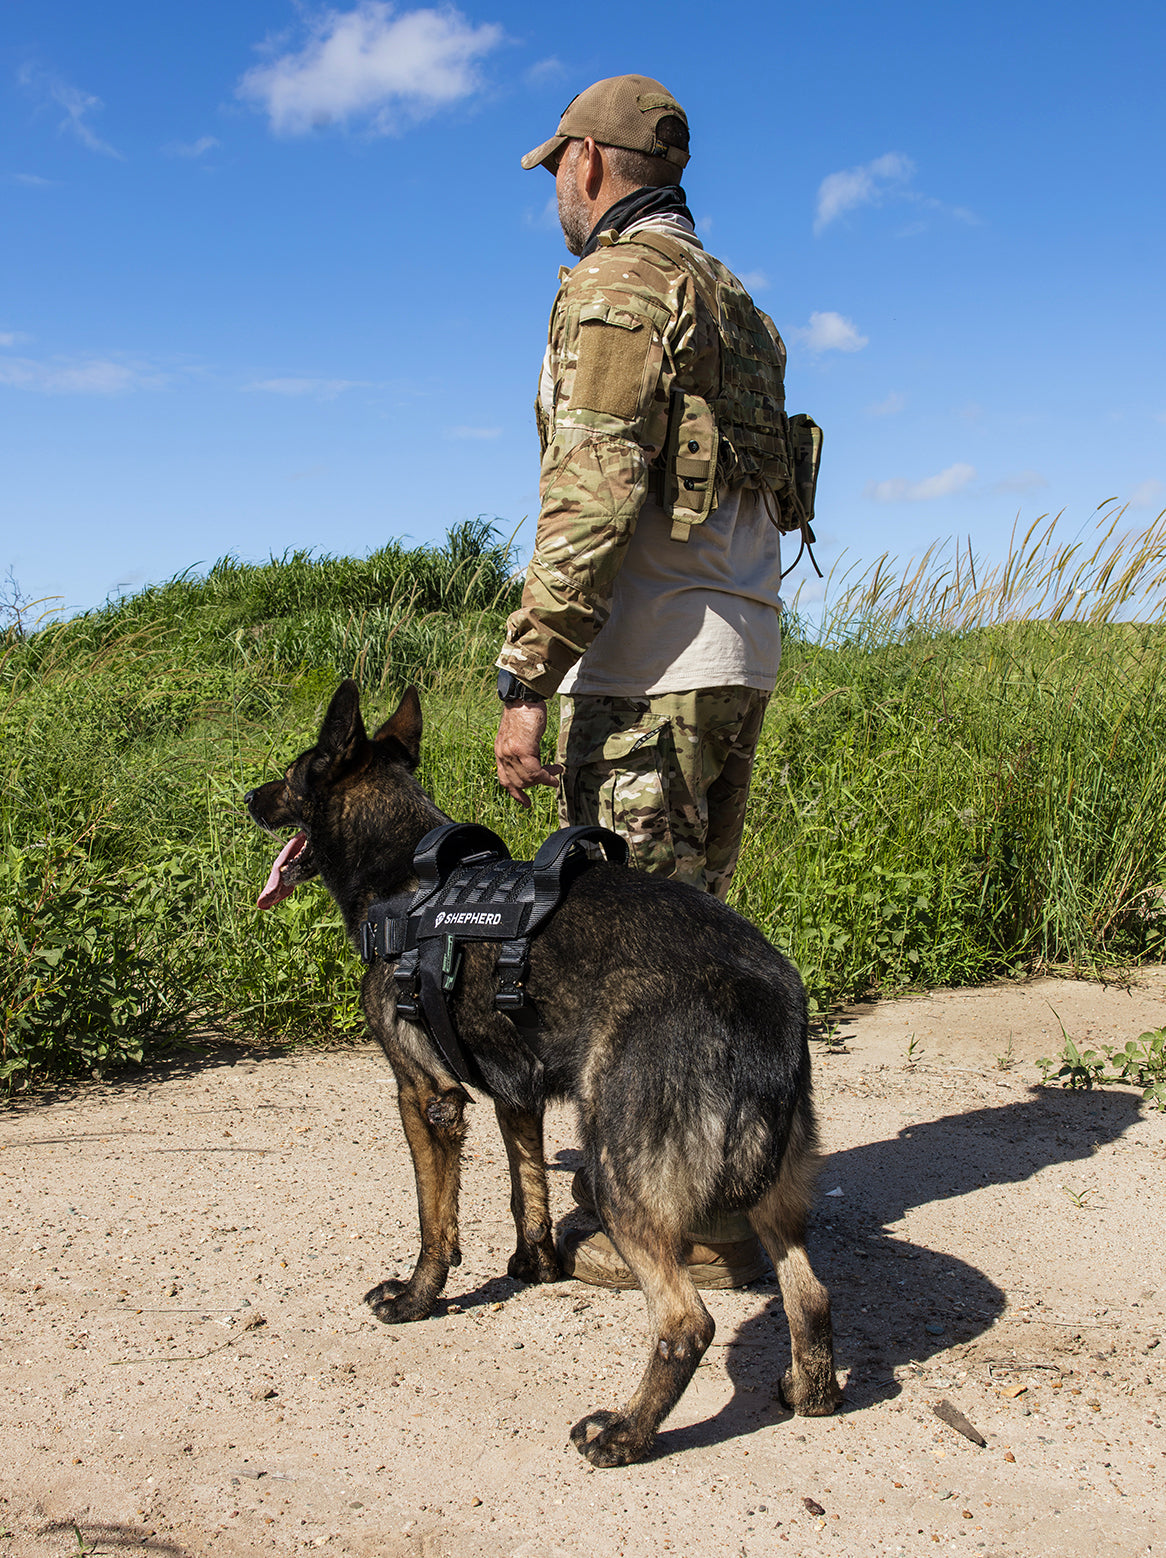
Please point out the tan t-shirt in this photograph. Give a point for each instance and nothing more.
(688, 614)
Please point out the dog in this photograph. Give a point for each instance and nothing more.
(674, 1027)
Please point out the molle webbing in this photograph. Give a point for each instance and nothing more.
(749, 402)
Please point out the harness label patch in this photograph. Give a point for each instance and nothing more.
(484, 922)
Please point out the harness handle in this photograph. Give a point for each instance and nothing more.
(451, 845)
(564, 854)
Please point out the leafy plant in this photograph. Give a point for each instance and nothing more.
(87, 977)
(1078, 1068)
(1143, 1062)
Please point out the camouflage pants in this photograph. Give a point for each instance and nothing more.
(669, 773)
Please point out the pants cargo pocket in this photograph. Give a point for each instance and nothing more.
(623, 784)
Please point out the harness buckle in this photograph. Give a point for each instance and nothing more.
(391, 936)
(512, 967)
(406, 979)
(368, 941)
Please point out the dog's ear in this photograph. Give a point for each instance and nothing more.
(342, 735)
(404, 727)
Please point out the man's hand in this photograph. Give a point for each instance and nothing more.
(516, 748)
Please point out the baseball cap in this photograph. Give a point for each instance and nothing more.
(619, 111)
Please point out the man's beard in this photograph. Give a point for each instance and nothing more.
(574, 217)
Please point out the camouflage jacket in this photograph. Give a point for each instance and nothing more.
(626, 328)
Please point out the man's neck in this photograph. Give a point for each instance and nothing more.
(634, 205)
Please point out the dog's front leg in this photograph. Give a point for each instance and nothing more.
(435, 1130)
(534, 1260)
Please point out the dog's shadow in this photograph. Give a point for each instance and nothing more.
(897, 1302)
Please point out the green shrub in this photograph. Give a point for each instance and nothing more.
(942, 793)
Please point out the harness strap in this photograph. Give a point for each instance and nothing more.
(436, 1012)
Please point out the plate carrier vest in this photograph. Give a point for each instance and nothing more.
(735, 432)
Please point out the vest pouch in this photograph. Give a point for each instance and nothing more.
(690, 463)
(805, 444)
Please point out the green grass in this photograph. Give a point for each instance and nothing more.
(961, 776)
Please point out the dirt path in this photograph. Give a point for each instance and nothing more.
(187, 1368)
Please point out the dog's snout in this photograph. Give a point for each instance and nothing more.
(249, 797)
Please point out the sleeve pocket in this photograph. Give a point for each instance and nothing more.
(613, 352)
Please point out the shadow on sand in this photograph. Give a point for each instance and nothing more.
(895, 1302)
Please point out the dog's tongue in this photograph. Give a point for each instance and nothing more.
(275, 890)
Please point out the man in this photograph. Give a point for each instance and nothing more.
(651, 601)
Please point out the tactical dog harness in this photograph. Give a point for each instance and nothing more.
(469, 889)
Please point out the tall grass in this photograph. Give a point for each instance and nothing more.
(961, 775)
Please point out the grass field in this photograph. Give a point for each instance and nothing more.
(962, 775)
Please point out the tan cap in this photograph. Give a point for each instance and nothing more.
(621, 111)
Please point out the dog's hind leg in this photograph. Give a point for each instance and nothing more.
(535, 1259)
(810, 1388)
(435, 1131)
(681, 1329)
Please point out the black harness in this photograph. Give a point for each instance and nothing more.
(469, 889)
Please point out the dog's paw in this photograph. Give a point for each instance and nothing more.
(396, 1303)
(535, 1263)
(809, 1399)
(607, 1439)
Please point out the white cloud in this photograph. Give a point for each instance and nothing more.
(872, 183)
(77, 376)
(754, 280)
(1021, 481)
(77, 105)
(546, 219)
(830, 332)
(545, 72)
(10, 338)
(865, 185)
(321, 389)
(197, 148)
(475, 432)
(899, 490)
(32, 180)
(1147, 495)
(371, 62)
(889, 407)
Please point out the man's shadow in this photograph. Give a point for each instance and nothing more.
(896, 1302)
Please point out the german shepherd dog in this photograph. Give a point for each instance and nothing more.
(674, 1027)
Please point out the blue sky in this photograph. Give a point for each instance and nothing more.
(272, 277)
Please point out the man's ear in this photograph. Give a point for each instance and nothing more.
(342, 736)
(404, 727)
(590, 169)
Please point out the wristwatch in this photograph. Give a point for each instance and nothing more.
(511, 690)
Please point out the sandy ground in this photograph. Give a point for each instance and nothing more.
(187, 1367)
